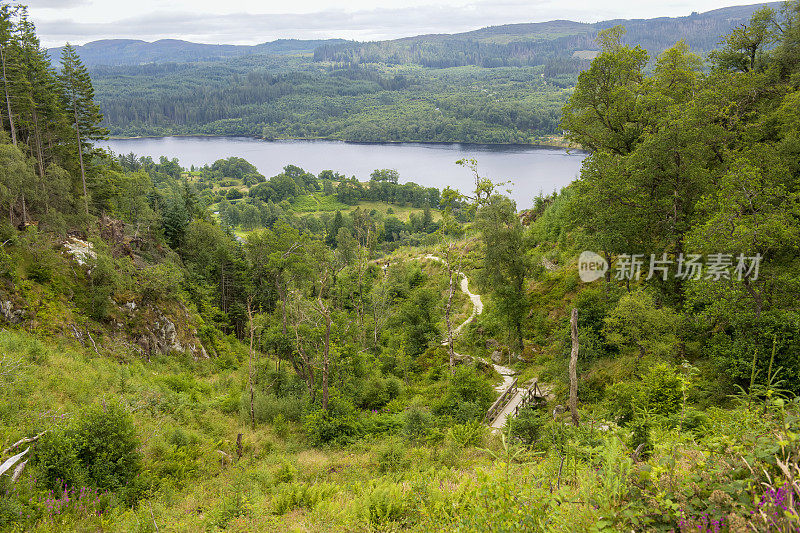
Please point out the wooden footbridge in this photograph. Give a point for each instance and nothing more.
(511, 400)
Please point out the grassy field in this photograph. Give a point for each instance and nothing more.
(318, 203)
(402, 213)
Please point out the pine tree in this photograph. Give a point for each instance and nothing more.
(6, 27)
(40, 112)
(78, 95)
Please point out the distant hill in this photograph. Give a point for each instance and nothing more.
(493, 46)
(118, 52)
(539, 43)
(499, 84)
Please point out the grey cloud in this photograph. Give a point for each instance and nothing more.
(55, 4)
(250, 28)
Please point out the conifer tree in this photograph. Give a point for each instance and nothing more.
(6, 27)
(78, 95)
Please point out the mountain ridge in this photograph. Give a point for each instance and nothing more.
(700, 30)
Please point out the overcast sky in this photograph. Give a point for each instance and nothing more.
(253, 21)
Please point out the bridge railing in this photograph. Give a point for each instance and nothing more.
(529, 396)
(501, 402)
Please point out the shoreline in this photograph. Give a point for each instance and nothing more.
(554, 145)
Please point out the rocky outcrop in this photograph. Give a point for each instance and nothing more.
(80, 250)
(9, 313)
(162, 337)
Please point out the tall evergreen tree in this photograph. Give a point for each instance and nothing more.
(7, 12)
(78, 94)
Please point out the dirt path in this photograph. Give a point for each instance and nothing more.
(506, 373)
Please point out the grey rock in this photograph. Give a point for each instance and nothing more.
(11, 315)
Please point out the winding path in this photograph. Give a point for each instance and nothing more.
(505, 372)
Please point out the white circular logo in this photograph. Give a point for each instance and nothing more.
(591, 266)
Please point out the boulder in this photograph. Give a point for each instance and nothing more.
(497, 357)
(9, 313)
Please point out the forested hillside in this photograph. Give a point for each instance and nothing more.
(111, 52)
(503, 84)
(214, 349)
(544, 43)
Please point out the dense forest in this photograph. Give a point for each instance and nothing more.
(291, 98)
(210, 348)
(503, 84)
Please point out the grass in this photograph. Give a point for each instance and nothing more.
(188, 414)
(401, 212)
(318, 202)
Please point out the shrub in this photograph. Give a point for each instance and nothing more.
(159, 282)
(267, 407)
(392, 457)
(467, 398)
(469, 434)
(230, 403)
(377, 392)
(374, 394)
(103, 282)
(100, 447)
(623, 398)
(337, 425)
(417, 423)
(55, 460)
(662, 389)
(641, 437)
(394, 387)
(286, 472)
(527, 426)
(381, 423)
(107, 445)
(40, 269)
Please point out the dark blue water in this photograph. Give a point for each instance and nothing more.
(531, 170)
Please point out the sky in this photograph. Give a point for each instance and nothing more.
(254, 21)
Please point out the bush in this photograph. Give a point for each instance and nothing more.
(465, 435)
(159, 282)
(55, 460)
(377, 392)
(527, 426)
(641, 437)
(623, 398)
(373, 394)
(394, 387)
(99, 447)
(107, 446)
(392, 457)
(286, 472)
(268, 406)
(662, 390)
(337, 425)
(467, 398)
(417, 423)
(103, 282)
(42, 264)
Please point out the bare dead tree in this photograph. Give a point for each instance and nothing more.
(573, 369)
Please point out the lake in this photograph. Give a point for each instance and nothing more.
(530, 169)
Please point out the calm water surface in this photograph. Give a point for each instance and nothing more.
(531, 170)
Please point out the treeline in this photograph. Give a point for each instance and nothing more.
(383, 187)
(460, 51)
